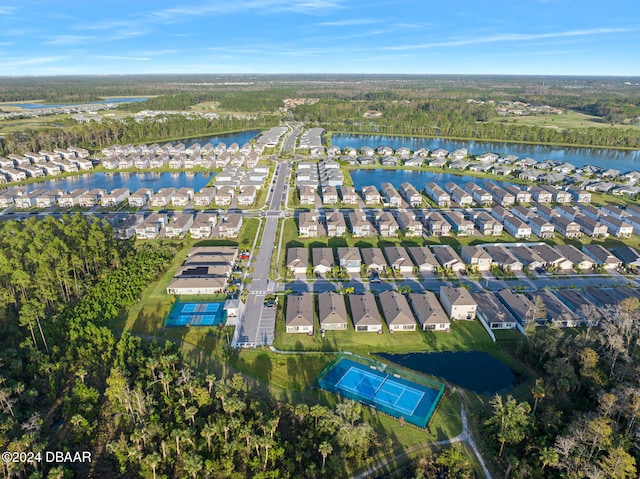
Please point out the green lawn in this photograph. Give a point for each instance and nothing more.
(569, 120)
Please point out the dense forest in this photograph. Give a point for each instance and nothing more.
(581, 417)
(95, 136)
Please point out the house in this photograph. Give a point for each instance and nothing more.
(448, 258)
(116, 197)
(542, 228)
(410, 226)
(28, 200)
(329, 195)
(615, 211)
(522, 213)
(592, 227)
(332, 312)
(458, 303)
(309, 225)
(125, 228)
(91, 198)
(579, 302)
(552, 257)
(566, 227)
(516, 227)
(429, 312)
(458, 195)
(398, 259)
(229, 226)
(349, 259)
(387, 224)
(370, 195)
(438, 163)
(579, 195)
(520, 306)
(373, 259)
(579, 259)
(298, 260)
(481, 196)
(49, 199)
(617, 227)
(360, 225)
(492, 312)
(568, 212)
(477, 257)
(197, 286)
(349, 195)
(556, 311)
(487, 225)
(440, 153)
(247, 195)
(364, 312)
(151, 226)
(602, 256)
(629, 257)
(557, 195)
(182, 196)
(389, 161)
(299, 315)
(180, 225)
(13, 175)
(411, 195)
(202, 226)
(440, 197)
(140, 197)
(503, 258)
(307, 195)
(391, 195)
(336, 225)
(162, 197)
(423, 258)
(71, 199)
(322, 259)
(501, 196)
(223, 195)
(529, 258)
(461, 226)
(396, 311)
(204, 197)
(436, 224)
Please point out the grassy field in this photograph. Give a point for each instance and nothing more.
(569, 120)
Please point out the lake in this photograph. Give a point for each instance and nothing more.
(623, 160)
(476, 371)
(35, 106)
(133, 181)
(416, 178)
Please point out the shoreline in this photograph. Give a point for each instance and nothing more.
(329, 134)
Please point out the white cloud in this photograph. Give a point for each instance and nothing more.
(7, 63)
(508, 37)
(347, 23)
(7, 10)
(67, 40)
(122, 57)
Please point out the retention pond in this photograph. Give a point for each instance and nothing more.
(476, 371)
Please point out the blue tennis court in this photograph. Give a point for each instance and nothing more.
(196, 314)
(393, 395)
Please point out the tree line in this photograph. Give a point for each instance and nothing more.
(95, 136)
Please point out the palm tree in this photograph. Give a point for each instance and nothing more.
(153, 459)
(548, 457)
(208, 431)
(325, 449)
(538, 393)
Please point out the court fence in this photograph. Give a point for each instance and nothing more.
(420, 418)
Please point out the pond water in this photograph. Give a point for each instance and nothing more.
(35, 106)
(416, 178)
(476, 371)
(133, 181)
(624, 160)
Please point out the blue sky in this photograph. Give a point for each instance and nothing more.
(561, 37)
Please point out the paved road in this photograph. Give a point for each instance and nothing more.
(257, 324)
